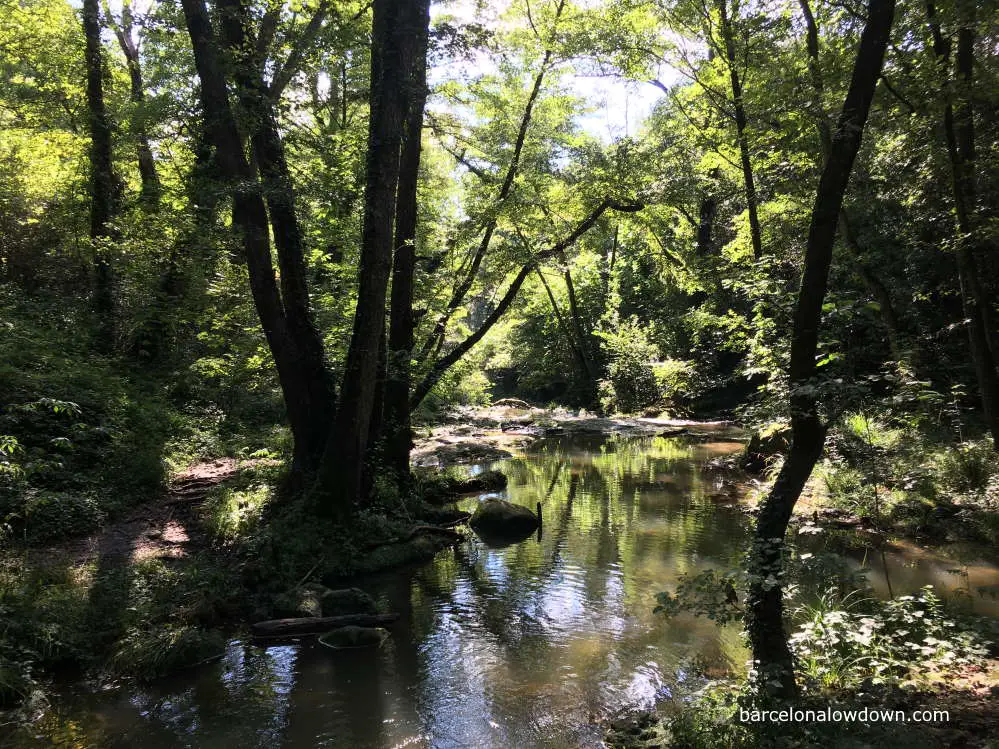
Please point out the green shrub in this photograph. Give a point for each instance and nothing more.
(841, 646)
(152, 652)
(676, 380)
(967, 467)
(49, 516)
(631, 384)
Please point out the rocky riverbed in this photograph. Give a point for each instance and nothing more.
(482, 435)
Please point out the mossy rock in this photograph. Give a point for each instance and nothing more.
(487, 481)
(346, 601)
(419, 549)
(350, 638)
(636, 730)
(314, 599)
(444, 489)
(498, 522)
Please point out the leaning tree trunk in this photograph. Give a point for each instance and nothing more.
(105, 188)
(402, 323)
(147, 164)
(870, 279)
(741, 125)
(312, 405)
(338, 484)
(764, 619)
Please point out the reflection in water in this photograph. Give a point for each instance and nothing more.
(517, 647)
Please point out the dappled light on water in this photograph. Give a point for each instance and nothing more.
(524, 646)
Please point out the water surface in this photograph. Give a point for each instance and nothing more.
(523, 646)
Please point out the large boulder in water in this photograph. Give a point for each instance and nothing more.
(499, 521)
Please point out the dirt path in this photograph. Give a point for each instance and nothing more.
(163, 528)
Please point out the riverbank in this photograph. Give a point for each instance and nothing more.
(679, 498)
(480, 435)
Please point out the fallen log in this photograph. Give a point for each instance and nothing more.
(311, 625)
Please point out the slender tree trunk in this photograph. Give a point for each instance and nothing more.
(402, 321)
(147, 164)
(959, 131)
(582, 338)
(570, 339)
(338, 485)
(870, 279)
(706, 218)
(461, 290)
(741, 125)
(105, 187)
(765, 614)
(445, 362)
(311, 409)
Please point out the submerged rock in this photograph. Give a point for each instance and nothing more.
(354, 637)
(486, 481)
(499, 522)
(512, 403)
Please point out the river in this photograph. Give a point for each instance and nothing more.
(524, 646)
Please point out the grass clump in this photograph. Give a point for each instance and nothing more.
(152, 652)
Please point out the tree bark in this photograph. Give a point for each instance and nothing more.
(870, 279)
(402, 321)
(105, 186)
(959, 131)
(741, 124)
(765, 611)
(311, 408)
(249, 217)
(338, 484)
(148, 175)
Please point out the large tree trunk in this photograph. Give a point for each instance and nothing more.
(311, 409)
(249, 217)
(105, 187)
(959, 131)
(338, 484)
(402, 323)
(741, 124)
(147, 164)
(765, 613)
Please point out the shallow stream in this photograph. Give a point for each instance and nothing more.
(519, 647)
